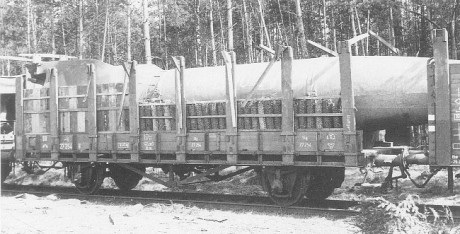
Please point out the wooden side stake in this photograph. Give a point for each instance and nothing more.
(133, 113)
(91, 116)
(287, 109)
(54, 114)
(181, 112)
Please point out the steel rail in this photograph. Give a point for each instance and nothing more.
(261, 204)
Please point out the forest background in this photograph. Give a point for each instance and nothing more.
(119, 30)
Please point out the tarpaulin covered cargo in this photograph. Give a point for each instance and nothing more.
(389, 91)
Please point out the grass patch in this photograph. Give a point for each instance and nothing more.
(379, 215)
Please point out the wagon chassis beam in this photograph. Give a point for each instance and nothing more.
(190, 180)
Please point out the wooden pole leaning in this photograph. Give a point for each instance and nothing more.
(133, 114)
(181, 112)
(287, 109)
(54, 114)
(91, 116)
(348, 106)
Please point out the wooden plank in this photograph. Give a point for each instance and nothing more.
(442, 91)
(35, 122)
(133, 114)
(72, 90)
(113, 121)
(44, 124)
(19, 127)
(66, 122)
(81, 121)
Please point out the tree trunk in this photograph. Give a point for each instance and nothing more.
(301, 31)
(363, 48)
(128, 33)
(211, 29)
(222, 43)
(106, 28)
(262, 22)
(53, 38)
(325, 29)
(453, 31)
(283, 28)
(353, 27)
(247, 19)
(198, 48)
(63, 31)
(34, 30)
(368, 28)
(28, 27)
(114, 43)
(391, 28)
(230, 24)
(80, 30)
(424, 45)
(148, 53)
(165, 36)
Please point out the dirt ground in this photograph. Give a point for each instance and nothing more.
(30, 214)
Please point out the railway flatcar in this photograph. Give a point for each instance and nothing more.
(299, 127)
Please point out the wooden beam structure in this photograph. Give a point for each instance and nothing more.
(323, 48)
(386, 43)
(264, 74)
(374, 35)
(15, 58)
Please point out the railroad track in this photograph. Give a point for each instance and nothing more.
(262, 204)
(330, 208)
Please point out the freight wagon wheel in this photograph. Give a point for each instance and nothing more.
(6, 169)
(285, 186)
(126, 179)
(87, 178)
(321, 188)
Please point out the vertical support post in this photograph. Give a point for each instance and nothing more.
(54, 114)
(19, 127)
(450, 179)
(348, 106)
(431, 113)
(442, 91)
(92, 113)
(230, 110)
(287, 109)
(133, 113)
(181, 111)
